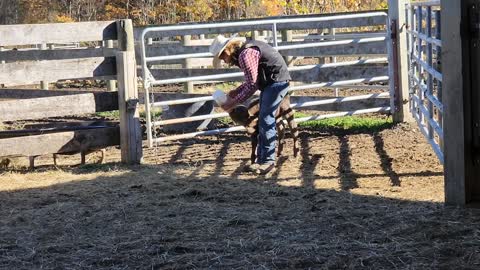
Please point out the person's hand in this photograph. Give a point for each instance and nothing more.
(229, 104)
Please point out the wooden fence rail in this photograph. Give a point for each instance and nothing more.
(28, 66)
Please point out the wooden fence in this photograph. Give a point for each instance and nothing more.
(29, 66)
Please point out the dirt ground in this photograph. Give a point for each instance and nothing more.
(349, 201)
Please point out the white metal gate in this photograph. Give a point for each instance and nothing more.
(364, 73)
(424, 69)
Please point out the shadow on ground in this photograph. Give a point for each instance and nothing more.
(144, 217)
(194, 208)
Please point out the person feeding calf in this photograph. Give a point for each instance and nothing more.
(265, 70)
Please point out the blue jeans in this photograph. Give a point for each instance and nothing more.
(270, 99)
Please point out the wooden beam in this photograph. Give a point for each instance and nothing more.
(399, 66)
(130, 128)
(6, 93)
(39, 108)
(21, 73)
(315, 74)
(57, 54)
(54, 127)
(28, 34)
(457, 125)
(62, 142)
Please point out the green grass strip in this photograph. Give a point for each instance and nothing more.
(348, 123)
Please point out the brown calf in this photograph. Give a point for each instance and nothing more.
(248, 117)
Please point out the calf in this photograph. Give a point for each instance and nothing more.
(84, 148)
(248, 117)
(84, 145)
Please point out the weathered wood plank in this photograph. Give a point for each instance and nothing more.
(38, 108)
(315, 74)
(30, 72)
(52, 127)
(62, 142)
(6, 93)
(57, 54)
(399, 46)
(130, 128)
(457, 126)
(27, 34)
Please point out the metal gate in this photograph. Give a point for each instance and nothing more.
(361, 71)
(425, 70)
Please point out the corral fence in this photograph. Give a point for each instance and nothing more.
(22, 65)
(361, 39)
(423, 20)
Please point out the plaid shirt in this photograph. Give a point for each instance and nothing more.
(248, 62)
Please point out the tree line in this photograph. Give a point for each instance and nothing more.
(151, 12)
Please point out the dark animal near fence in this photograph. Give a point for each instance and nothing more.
(248, 117)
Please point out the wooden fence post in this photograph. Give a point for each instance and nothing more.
(321, 60)
(130, 129)
(188, 86)
(398, 54)
(255, 35)
(460, 69)
(111, 85)
(2, 62)
(43, 84)
(287, 37)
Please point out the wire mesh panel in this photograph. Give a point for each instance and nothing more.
(425, 70)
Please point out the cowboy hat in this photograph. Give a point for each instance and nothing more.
(216, 48)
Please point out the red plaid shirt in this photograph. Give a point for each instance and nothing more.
(248, 61)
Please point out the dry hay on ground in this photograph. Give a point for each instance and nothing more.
(350, 201)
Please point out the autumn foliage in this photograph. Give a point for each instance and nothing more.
(147, 12)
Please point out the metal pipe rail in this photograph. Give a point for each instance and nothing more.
(241, 128)
(338, 36)
(293, 88)
(279, 48)
(273, 24)
(425, 92)
(430, 97)
(429, 117)
(340, 114)
(435, 146)
(240, 74)
(424, 37)
(359, 87)
(259, 22)
(428, 68)
(424, 3)
(293, 105)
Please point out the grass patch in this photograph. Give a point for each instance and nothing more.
(109, 114)
(348, 123)
(227, 86)
(225, 121)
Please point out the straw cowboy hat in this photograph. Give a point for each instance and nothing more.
(216, 48)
